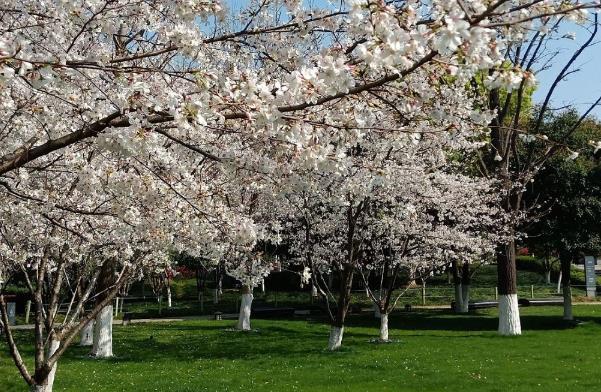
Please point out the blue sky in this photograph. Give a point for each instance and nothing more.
(582, 88)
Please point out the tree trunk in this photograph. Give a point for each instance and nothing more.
(245, 309)
(509, 312)
(458, 298)
(54, 345)
(168, 296)
(201, 281)
(342, 304)
(103, 333)
(465, 298)
(384, 327)
(87, 334)
(335, 340)
(217, 292)
(566, 273)
(345, 284)
(197, 273)
(567, 303)
(465, 288)
(314, 292)
(509, 315)
(41, 387)
(457, 285)
(102, 346)
(548, 277)
(376, 306)
(47, 384)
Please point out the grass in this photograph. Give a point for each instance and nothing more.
(435, 351)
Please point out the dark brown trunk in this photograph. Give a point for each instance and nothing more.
(457, 286)
(466, 276)
(566, 269)
(201, 281)
(506, 269)
(455, 271)
(245, 290)
(565, 259)
(106, 279)
(389, 286)
(198, 281)
(348, 270)
(344, 296)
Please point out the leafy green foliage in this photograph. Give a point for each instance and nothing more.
(571, 189)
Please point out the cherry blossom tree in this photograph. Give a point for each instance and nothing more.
(78, 235)
(51, 259)
(134, 73)
(249, 268)
(121, 130)
(370, 184)
(519, 146)
(244, 258)
(435, 217)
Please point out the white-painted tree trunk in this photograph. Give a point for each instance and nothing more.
(559, 281)
(335, 340)
(314, 292)
(384, 327)
(263, 286)
(103, 333)
(47, 386)
(567, 303)
(54, 345)
(465, 298)
(168, 296)
(87, 334)
(41, 388)
(509, 315)
(548, 277)
(245, 309)
(458, 298)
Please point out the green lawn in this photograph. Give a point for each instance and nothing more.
(435, 351)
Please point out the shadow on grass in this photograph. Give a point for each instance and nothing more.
(287, 340)
(300, 339)
(194, 342)
(447, 321)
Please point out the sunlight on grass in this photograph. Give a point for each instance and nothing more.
(434, 351)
